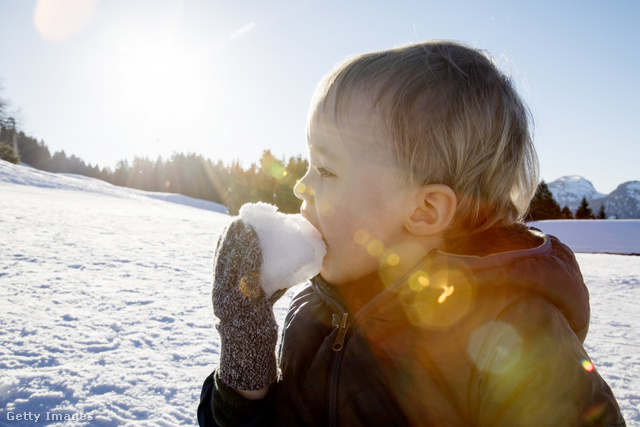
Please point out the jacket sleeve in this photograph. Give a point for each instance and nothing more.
(531, 369)
(222, 406)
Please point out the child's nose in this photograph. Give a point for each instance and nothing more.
(302, 191)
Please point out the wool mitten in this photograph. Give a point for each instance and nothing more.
(248, 329)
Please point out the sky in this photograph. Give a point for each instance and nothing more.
(110, 80)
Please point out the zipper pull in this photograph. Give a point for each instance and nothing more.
(342, 332)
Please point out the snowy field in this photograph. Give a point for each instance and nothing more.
(596, 236)
(106, 317)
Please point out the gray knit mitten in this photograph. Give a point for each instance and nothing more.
(248, 329)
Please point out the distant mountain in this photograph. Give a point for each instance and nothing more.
(623, 202)
(569, 191)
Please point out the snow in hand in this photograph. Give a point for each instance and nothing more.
(292, 248)
(106, 309)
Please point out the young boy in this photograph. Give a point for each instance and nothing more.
(435, 305)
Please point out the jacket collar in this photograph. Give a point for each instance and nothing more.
(549, 270)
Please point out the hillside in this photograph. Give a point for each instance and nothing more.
(26, 175)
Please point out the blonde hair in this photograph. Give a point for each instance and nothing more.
(455, 119)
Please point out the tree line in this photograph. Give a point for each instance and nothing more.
(271, 180)
(544, 206)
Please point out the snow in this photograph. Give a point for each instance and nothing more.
(106, 310)
(292, 248)
(596, 236)
(26, 175)
(569, 190)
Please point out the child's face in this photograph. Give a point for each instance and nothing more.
(352, 192)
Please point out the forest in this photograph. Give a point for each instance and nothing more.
(271, 180)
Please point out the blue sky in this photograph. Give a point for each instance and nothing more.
(228, 79)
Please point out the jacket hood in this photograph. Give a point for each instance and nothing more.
(549, 270)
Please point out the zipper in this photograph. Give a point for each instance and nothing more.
(338, 344)
(337, 347)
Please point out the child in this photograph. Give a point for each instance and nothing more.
(435, 305)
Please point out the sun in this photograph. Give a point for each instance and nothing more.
(157, 80)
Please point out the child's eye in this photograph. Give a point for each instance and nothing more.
(324, 172)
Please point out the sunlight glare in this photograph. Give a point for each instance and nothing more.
(326, 208)
(375, 248)
(419, 280)
(361, 237)
(587, 365)
(594, 413)
(446, 292)
(155, 79)
(431, 301)
(393, 259)
(300, 188)
(57, 20)
(495, 347)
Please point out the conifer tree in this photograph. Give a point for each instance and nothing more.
(566, 212)
(543, 205)
(602, 213)
(584, 211)
(7, 153)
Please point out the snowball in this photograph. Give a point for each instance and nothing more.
(292, 248)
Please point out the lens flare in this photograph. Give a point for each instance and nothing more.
(430, 300)
(588, 366)
(495, 347)
(393, 259)
(57, 20)
(301, 188)
(446, 292)
(375, 248)
(594, 413)
(326, 208)
(418, 281)
(276, 170)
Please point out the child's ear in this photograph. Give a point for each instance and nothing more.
(434, 210)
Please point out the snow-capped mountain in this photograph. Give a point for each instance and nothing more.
(569, 191)
(622, 203)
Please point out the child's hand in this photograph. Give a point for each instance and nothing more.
(248, 330)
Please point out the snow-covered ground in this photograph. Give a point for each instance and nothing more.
(105, 309)
(620, 236)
